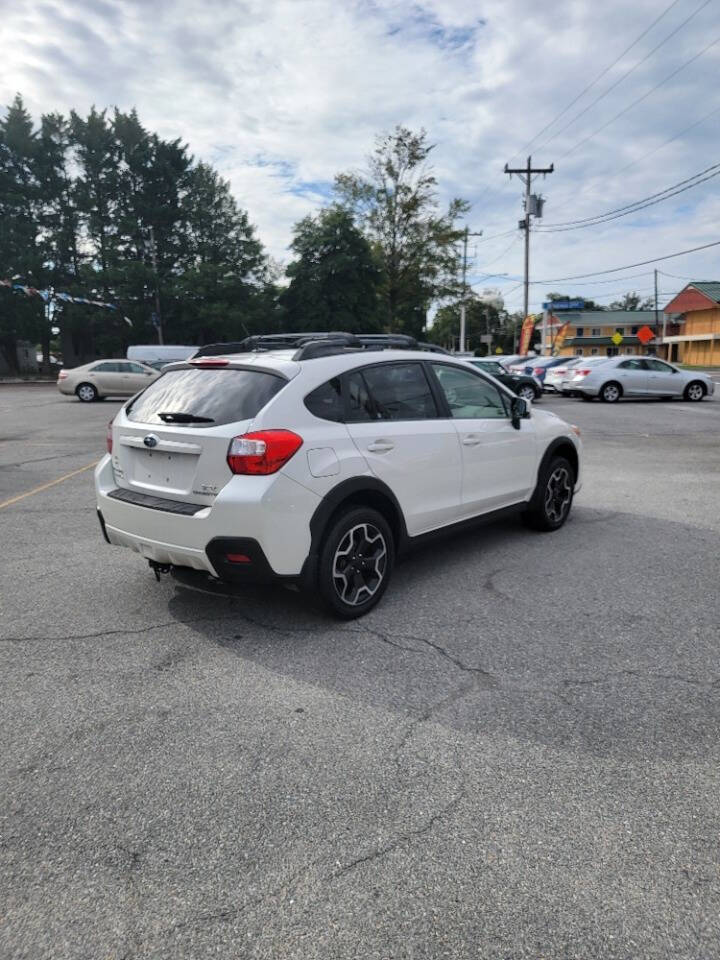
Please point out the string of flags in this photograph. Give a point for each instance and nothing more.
(48, 295)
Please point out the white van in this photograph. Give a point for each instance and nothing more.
(157, 355)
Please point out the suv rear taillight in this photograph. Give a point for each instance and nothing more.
(538, 370)
(62, 375)
(262, 452)
(108, 437)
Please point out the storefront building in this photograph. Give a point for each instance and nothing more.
(695, 338)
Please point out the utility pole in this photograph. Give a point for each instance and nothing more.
(526, 174)
(657, 321)
(466, 234)
(158, 314)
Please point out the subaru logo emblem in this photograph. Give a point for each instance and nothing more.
(150, 440)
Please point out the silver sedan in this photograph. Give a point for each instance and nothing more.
(624, 376)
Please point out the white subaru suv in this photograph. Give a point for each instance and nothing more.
(318, 460)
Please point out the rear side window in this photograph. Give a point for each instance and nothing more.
(220, 396)
(400, 391)
(326, 401)
(360, 408)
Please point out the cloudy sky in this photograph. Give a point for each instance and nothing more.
(282, 94)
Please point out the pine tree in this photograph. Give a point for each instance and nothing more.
(20, 255)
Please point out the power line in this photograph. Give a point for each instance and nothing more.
(489, 263)
(666, 143)
(596, 80)
(629, 266)
(631, 208)
(676, 276)
(632, 69)
(643, 97)
(496, 236)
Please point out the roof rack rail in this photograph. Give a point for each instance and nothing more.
(321, 344)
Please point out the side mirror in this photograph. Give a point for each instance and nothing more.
(519, 410)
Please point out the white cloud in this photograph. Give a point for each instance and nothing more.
(282, 94)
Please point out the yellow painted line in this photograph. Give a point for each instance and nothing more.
(46, 486)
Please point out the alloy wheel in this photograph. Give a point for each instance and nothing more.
(526, 393)
(359, 564)
(695, 392)
(611, 393)
(558, 494)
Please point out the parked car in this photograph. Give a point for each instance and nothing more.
(320, 464)
(537, 367)
(612, 378)
(508, 360)
(524, 386)
(106, 378)
(555, 375)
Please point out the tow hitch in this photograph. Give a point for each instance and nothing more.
(158, 568)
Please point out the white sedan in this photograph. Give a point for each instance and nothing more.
(612, 378)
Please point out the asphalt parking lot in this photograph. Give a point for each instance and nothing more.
(515, 756)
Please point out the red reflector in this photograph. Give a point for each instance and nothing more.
(108, 437)
(262, 452)
(237, 558)
(210, 362)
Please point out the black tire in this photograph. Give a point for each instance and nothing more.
(695, 391)
(367, 556)
(551, 502)
(586, 398)
(86, 392)
(610, 392)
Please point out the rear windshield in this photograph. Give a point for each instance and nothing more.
(217, 396)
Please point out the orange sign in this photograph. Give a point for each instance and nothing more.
(526, 334)
(559, 337)
(645, 334)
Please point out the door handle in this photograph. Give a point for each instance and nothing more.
(381, 446)
(471, 440)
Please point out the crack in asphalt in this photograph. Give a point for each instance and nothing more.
(119, 632)
(387, 848)
(640, 675)
(225, 915)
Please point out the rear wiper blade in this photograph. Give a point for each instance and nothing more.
(184, 418)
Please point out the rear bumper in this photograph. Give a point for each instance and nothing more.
(264, 518)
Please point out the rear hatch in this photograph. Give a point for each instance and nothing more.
(171, 441)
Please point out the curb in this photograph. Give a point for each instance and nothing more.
(5, 382)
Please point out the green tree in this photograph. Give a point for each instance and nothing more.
(20, 255)
(480, 319)
(334, 279)
(632, 301)
(223, 285)
(396, 203)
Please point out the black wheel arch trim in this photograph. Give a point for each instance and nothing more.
(348, 492)
(558, 447)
